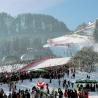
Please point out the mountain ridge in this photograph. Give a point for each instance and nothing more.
(28, 31)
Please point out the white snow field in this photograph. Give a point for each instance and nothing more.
(36, 65)
(68, 45)
(51, 62)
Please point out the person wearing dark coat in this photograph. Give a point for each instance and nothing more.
(14, 95)
(1, 95)
(60, 93)
(68, 92)
(72, 94)
(28, 95)
(76, 95)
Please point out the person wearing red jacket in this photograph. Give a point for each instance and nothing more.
(86, 94)
(80, 94)
(65, 94)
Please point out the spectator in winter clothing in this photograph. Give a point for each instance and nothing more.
(80, 94)
(86, 94)
(60, 93)
(64, 83)
(55, 95)
(76, 95)
(65, 93)
(1, 95)
(14, 95)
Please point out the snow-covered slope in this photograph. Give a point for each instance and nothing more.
(69, 45)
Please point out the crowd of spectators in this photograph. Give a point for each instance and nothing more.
(47, 93)
(68, 91)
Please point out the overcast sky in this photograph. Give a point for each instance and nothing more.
(22, 6)
(71, 12)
